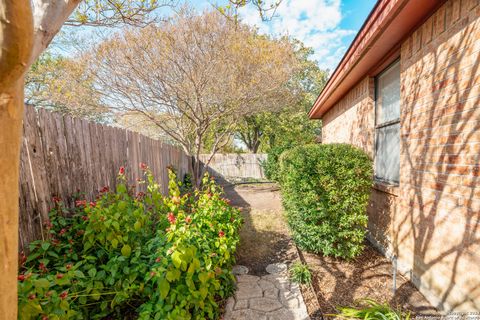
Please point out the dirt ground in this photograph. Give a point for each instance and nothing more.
(341, 283)
(265, 239)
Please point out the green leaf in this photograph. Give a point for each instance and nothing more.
(45, 246)
(121, 188)
(126, 250)
(92, 272)
(177, 259)
(137, 226)
(203, 292)
(41, 283)
(53, 254)
(203, 277)
(173, 275)
(79, 274)
(122, 205)
(164, 288)
(63, 281)
(114, 243)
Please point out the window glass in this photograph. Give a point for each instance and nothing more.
(387, 164)
(388, 94)
(387, 106)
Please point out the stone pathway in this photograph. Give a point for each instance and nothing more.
(269, 297)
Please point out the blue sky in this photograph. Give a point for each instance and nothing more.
(328, 26)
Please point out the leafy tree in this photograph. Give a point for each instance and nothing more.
(65, 86)
(193, 77)
(287, 125)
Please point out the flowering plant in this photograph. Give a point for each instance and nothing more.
(141, 253)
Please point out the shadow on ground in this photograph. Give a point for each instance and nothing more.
(264, 236)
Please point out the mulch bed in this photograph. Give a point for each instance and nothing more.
(341, 283)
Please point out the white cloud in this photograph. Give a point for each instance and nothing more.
(315, 22)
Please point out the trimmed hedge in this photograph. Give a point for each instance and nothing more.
(271, 166)
(325, 191)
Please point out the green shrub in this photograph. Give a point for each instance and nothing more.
(271, 166)
(372, 310)
(300, 273)
(325, 191)
(133, 254)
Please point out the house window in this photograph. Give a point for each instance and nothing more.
(387, 124)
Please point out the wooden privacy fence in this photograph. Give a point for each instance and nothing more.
(62, 156)
(236, 166)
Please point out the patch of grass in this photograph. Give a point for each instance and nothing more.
(372, 310)
(300, 273)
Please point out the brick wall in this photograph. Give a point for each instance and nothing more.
(352, 118)
(431, 221)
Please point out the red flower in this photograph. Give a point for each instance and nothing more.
(48, 224)
(62, 231)
(45, 318)
(56, 199)
(59, 276)
(121, 171)
(42, 267)
(63, 295)
(93, 204)
(32, 296)
(188, 219)
(171, 218)
(23, 258)
(81, 203)
(158, 259)
(232, 219)
(221, 234)
(84, 218)
(140, 195)
(21, 277)
(152, 274)
(69, 266)
(104, 189)
(143, 166)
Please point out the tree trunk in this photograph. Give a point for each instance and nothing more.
(16, 37)
(11, 112)
(49, 17)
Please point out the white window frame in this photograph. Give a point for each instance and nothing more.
(382, 125)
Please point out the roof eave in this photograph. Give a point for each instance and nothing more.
(387, 25)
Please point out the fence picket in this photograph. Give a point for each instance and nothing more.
(61, 155)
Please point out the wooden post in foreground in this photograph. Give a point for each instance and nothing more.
(16, 36)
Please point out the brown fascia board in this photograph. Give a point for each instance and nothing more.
(387, 25)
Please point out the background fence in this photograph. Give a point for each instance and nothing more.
(236, 166)
(62, 155)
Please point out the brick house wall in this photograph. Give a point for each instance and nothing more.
(431, 220)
